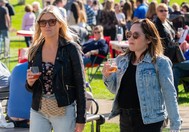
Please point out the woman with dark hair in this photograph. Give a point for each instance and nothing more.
(143, 83)
(128, 11)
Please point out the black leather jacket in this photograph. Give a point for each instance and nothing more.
(68, 78)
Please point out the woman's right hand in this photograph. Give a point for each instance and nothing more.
(106, 69)
(32, 77)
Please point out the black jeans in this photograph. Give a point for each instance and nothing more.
(131, 121)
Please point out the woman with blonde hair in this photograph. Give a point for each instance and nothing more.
(58, 86)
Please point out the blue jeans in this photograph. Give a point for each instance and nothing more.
(5, 45)
(180, 70)
(44, 123)
(131, 121)
(86, 60)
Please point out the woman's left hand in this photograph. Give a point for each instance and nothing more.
(79, 127)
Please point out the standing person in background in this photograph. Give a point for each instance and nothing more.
(169, 7)
(120, 15)
(4, 25)
(10, 9)
(58, 91)
(60, 4)
(128, 11)
(165, 29)
(141, 10)
(36, 8)
(151, 13)
(143, 83)
(28, 22)
(108, 19)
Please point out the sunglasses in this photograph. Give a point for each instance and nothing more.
(135, 35)
(96, 32)
(43, 23)
(163, 10)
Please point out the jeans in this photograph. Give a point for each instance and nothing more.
(180, 70)
(44, 123)
(86, 60)
(131, 121)
(5, 45)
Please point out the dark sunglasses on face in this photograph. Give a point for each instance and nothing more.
(97, 32)
(135, 35)
(43, 23)
(163, 10)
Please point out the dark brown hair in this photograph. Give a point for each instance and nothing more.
(155, 47)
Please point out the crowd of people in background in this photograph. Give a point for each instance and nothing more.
(86, 18)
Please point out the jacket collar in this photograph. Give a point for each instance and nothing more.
(147, 58)
(62, 43)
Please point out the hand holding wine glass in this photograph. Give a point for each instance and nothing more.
(33, 75)
(35, 71)
(109, 67)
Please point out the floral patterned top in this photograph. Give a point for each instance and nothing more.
(47, 71)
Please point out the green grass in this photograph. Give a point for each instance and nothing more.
(99, 89)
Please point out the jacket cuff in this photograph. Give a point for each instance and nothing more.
(81, 119)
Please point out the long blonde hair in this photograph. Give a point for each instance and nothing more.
(64, 31)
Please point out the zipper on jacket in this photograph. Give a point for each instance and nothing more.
(66, 87)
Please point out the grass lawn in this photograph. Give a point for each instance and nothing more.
(98, 87)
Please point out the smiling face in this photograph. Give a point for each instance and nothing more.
(137, 40)
(49, 25)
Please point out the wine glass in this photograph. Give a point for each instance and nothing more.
(35, 69)
(112, 62)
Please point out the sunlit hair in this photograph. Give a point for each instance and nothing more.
(161, 5)
(155, 47)
(176, 7)
(64, 32)
(127, 10)
(151, 10)
(109, 5)
(82, 12)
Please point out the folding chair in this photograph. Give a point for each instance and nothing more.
(90, 67)
(22, 55)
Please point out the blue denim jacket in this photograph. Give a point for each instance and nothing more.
(157, 95)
